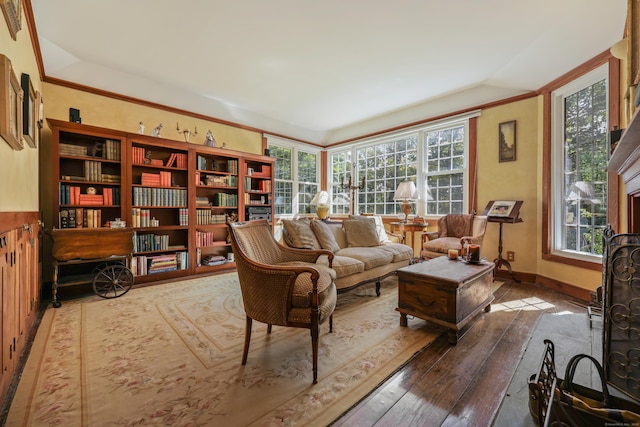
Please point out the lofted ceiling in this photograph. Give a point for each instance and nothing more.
(322, 71)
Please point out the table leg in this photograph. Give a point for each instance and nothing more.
(403, 319)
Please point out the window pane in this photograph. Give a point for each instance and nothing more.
(283, 197)
(307, 167)
(444, 175)
(584, 169)
(283, 166)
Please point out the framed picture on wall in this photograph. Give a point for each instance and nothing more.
(10, 105)
(507, 141)
(12, 11)
(29, 111)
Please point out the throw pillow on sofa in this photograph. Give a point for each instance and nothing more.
(325, 236)
(298, 234)
(377, 220)
(360, 233)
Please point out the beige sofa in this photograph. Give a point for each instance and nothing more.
(363, 251)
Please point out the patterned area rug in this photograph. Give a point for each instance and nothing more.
(170, 355)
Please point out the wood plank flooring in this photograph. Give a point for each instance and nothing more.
(465, 385)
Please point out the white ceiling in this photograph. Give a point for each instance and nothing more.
(326, 70)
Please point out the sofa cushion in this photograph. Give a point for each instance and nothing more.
(377, 220)
(399, 251)
(298, 234)
(371, 256)
(325, 236)
(442, 244)
(343, 265)
(360, 233)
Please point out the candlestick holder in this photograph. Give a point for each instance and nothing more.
(353, 189)
(186, 132)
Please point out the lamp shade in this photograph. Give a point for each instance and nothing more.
(321, 198)
(406, 191)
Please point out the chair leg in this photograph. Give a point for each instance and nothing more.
(331, 323)
(269, 328)
(378, 288)
(315, 333)
(247, 339)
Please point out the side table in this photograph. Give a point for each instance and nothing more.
(409, 229)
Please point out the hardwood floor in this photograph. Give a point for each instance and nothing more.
(464, 385)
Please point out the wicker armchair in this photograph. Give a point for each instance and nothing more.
(280, 285)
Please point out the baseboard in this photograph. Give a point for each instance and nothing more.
(553, 284)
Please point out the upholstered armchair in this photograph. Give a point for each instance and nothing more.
(453, 231)
(280, 285)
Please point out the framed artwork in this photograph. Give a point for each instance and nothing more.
(10, 105)
(12, 11)
(29, 112)
(40, 106)
(507, 141)
(501, 208)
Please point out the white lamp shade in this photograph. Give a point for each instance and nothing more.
(406, 191)
(321, 198)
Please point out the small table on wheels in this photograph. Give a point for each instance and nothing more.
(447, 292)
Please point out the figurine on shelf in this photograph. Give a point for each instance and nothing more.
(210, 141)
(141, 128)
(156, 130)
(147, 157)
(224, 145)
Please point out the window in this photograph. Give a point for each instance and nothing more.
(296, 176)
(579, 165)
(445, 170)
(441, 178)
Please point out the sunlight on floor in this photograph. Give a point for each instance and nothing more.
(527, 304)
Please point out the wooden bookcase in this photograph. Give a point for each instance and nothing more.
(87, 174)
(177, 196)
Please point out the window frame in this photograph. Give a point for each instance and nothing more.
(295, 148)
(467, 120)
(613, 183)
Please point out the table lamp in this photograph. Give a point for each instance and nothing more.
(321, 202)
(406, 191)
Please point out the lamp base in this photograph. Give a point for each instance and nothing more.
(406, 209)
(322, 211)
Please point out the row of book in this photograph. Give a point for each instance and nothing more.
(150, 242)
(261, 185)
(140, 156)
(216, 165)
(80, 218)
(161, 179)
(70, 195)
(224, 199)
(202, 178)
(144, 196)
(142, 218)
(207, 238)
(109, 150)
(142, 264)
(207, 217)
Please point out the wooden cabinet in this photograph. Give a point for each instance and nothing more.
(19, 289)
(177, 196)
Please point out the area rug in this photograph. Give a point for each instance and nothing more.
(170, 355)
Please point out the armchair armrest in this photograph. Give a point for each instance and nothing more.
(429, 235)
(476, 240)
(305, 255)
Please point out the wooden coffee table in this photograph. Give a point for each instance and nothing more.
(447, 292)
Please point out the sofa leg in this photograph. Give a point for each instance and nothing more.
(378, 288)
(247, 339)
(269, 328)
(331, 323)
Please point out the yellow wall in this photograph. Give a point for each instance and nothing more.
(19, 169)
(514, 180)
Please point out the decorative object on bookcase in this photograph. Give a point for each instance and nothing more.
(209, 140)
(91, 190)
(12, 10)
(156, 130)
(141, 128)
(28, 110)
(10, 104)
(186, 132)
